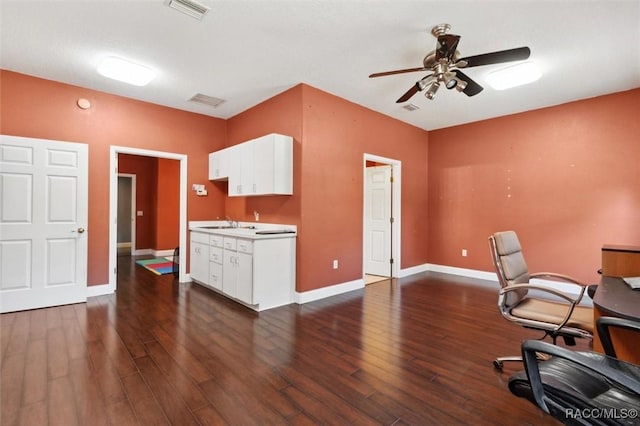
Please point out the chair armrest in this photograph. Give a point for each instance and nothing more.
(603, 324)
(566, 278)
(530, 349)
(559, 277)
(543, 288)
(572, 302)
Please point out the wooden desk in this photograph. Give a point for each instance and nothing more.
(620, 261)
(614, 298)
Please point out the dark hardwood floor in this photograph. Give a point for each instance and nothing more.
(413, 351)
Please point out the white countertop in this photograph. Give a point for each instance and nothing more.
(250, 230)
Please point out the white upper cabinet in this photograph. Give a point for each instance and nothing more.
(220, 163)
(262, 166)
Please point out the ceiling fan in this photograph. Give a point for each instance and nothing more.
(445, 63)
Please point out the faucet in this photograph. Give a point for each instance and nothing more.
(232, 223)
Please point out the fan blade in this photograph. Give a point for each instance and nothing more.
(446, 46)
(414, 89)
(516, 54)
(472, 87)
(382, 74)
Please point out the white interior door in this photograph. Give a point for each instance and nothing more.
(377, 239)
(43, 221)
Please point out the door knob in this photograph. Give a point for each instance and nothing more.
(79, 231)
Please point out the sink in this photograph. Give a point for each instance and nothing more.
(216, 227)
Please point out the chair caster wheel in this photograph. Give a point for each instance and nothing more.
(497, 364)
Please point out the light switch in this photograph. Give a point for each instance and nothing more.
(139, 213)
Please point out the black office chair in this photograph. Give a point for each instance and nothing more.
(581, 388)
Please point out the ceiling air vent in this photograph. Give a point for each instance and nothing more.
(189, 7)
(411, 107)
(206, 100)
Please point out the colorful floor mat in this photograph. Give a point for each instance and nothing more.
(158, 265)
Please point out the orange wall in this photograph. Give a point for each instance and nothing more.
(279, 114)
(38, 108)
(331, 136)
(565, 178)
(158, 197)
(167, 190)
(336, 135)
(145, 170)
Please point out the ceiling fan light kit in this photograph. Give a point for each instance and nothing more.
(514, 75)
(444, 63)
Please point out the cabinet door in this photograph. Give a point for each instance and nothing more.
(220, 164)
(229, 273)
(241, 182)
(273, 168)
(263, 176)
(199, 263)
(244, 277)
(215, 275)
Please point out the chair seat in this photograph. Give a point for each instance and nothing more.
(553, 313)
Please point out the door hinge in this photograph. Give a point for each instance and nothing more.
(391, 178)
(391, 219)
(391, 261)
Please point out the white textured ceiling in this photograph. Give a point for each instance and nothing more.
(248, 51)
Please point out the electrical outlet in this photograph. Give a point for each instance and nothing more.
(335, 264)
(464, 252)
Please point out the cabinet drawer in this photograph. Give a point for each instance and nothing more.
(215, 241)
(200, 237)
(215, 275)
(245, 246)
(215, 254)
(229, 243)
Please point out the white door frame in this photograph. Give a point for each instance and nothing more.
(133, 209)
(396, 198)
(113, 206)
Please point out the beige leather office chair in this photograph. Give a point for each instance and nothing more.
(536, 305)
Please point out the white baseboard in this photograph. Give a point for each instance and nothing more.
(413, 270)
(163, 253)
(152, 252)
(142, 252)
(493, 278)
(336, 289)
(333, 290)
(99, 290)
(463, 272)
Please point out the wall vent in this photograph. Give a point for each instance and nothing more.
(411, 107)
(206, 100)
(189, 7)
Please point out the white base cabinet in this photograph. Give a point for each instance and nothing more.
(259, 273)
(199, 255)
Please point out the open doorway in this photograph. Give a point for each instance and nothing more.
(381, 218)
(113, 203)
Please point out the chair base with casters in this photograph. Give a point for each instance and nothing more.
(581, 388)
(535, 305)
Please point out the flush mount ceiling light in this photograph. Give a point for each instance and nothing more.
(515, 75)
(189, 7)
(126, 71)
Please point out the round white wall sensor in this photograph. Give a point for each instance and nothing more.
(84, 103)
